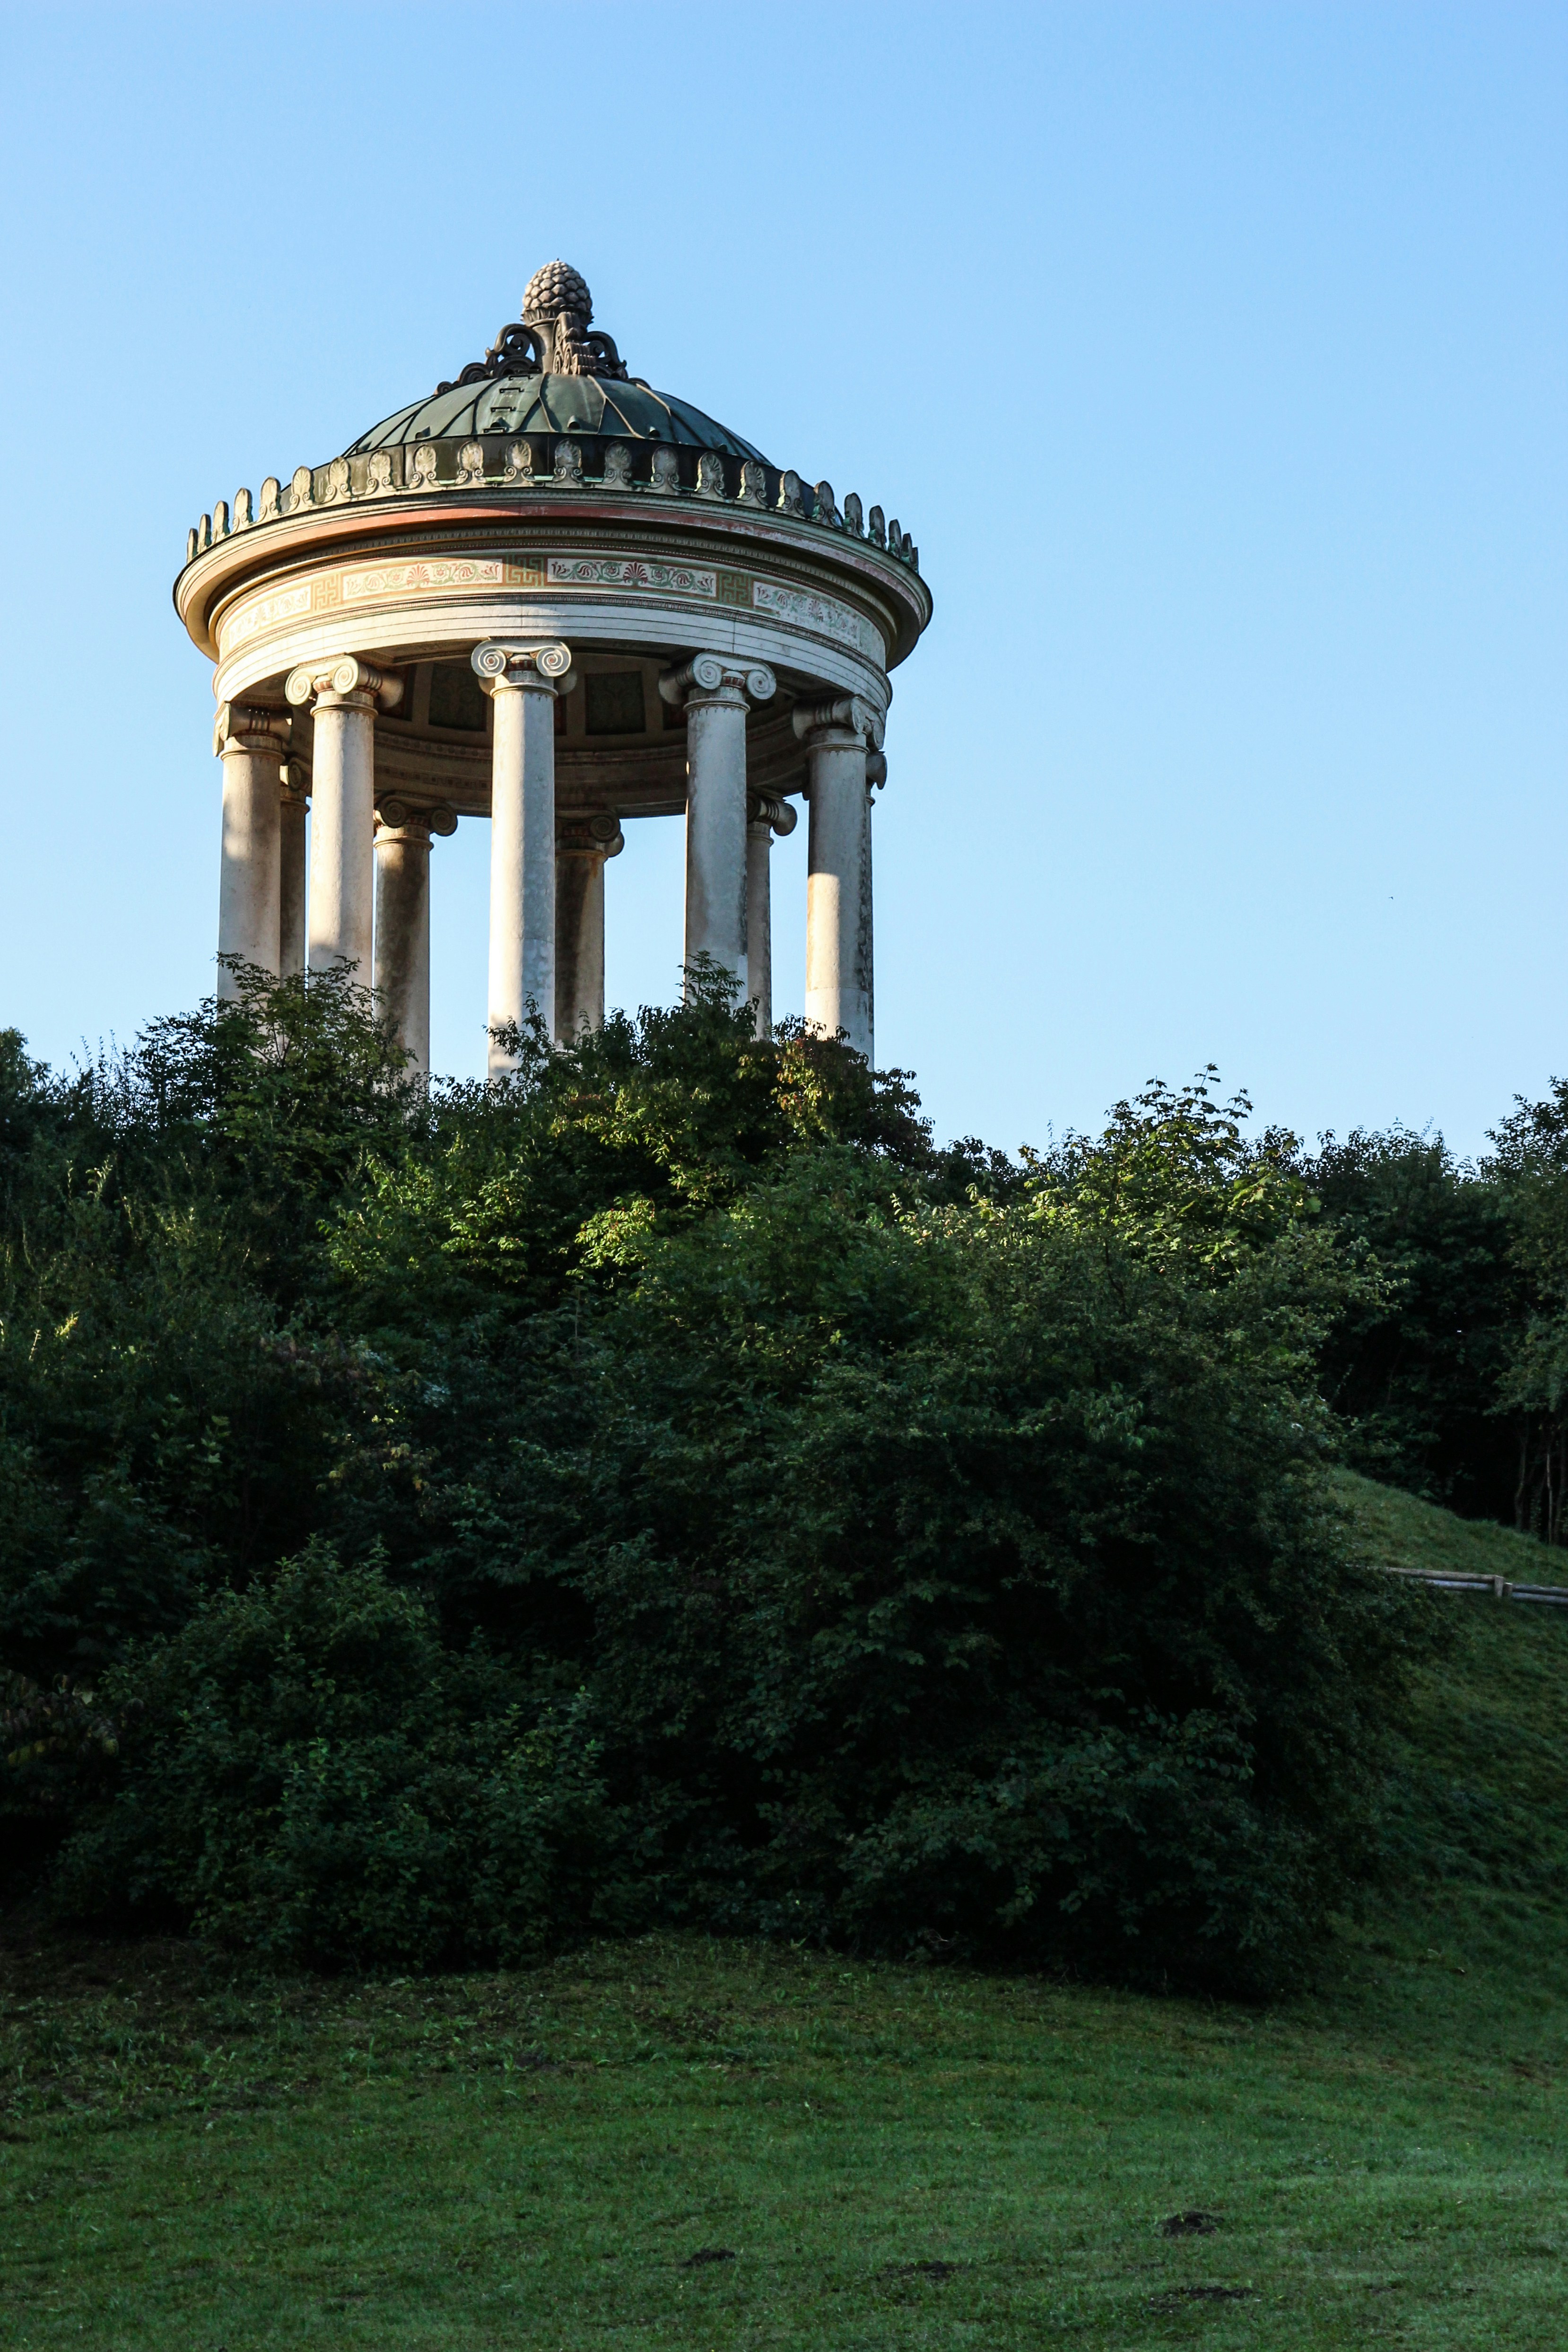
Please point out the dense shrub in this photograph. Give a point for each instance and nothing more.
(699, 1498)
(312, 1775)
(966, 1575)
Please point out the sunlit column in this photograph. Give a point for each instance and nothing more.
(713, 689)
(250, 743)
(837, 733)
(522, 681)
(345, 695)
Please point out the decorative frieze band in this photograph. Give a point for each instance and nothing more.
(558, 463)
(629, 572)
(365, 585)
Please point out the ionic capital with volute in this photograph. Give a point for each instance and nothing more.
(770, 809)
(540, 668)
(240, 727)
(397, 819)
(590, 836)
(845, 714)
(717, 677)
(345, 682)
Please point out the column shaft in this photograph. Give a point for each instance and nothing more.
(291, 878)
(579, 944)
(838, 992)
(342, 822)
(713, 688)
(247, 888)
(403, 936)
(582, 848)
(759, 923)
(716, 831)
(522, 858)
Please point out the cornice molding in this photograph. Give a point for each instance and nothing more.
(690, 531)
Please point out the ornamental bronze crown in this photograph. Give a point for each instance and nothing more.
(552, 338)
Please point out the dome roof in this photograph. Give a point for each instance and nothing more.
(554, 404)
(550, 372)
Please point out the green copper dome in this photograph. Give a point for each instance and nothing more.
(554, 404)
(550, 372)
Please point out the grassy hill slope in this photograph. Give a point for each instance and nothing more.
(1403, 1532)
(699, 2143)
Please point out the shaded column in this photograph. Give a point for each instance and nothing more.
(345, 694)
(293, 809)
(714, 687)
(838, 983)
(581, 850)
(250, 743)
(521, 682)
(402, 839)
(766, 814)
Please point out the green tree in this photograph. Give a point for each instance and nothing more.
(1413, 1365)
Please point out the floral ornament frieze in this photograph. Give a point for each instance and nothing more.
(805, 608)
(629, 572)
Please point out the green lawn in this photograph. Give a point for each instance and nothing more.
(888, 2157)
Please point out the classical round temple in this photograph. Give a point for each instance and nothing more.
(552, 596)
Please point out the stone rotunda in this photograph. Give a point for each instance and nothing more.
(555, 597)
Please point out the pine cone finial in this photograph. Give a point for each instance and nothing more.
(556, 288)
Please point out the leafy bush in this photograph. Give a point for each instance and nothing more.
(964, 1575)
(309, 1773)
(698, 1497)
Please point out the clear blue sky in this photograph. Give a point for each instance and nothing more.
(1214, 356)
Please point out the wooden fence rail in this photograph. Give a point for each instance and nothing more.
(1500, 1587)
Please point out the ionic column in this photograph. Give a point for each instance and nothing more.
(580, 849)
(347, 694)
(403, 922)
(838, 992)
(765, 816)
(293, 809)
(251, 744)
(521, 680)
(713, 688)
